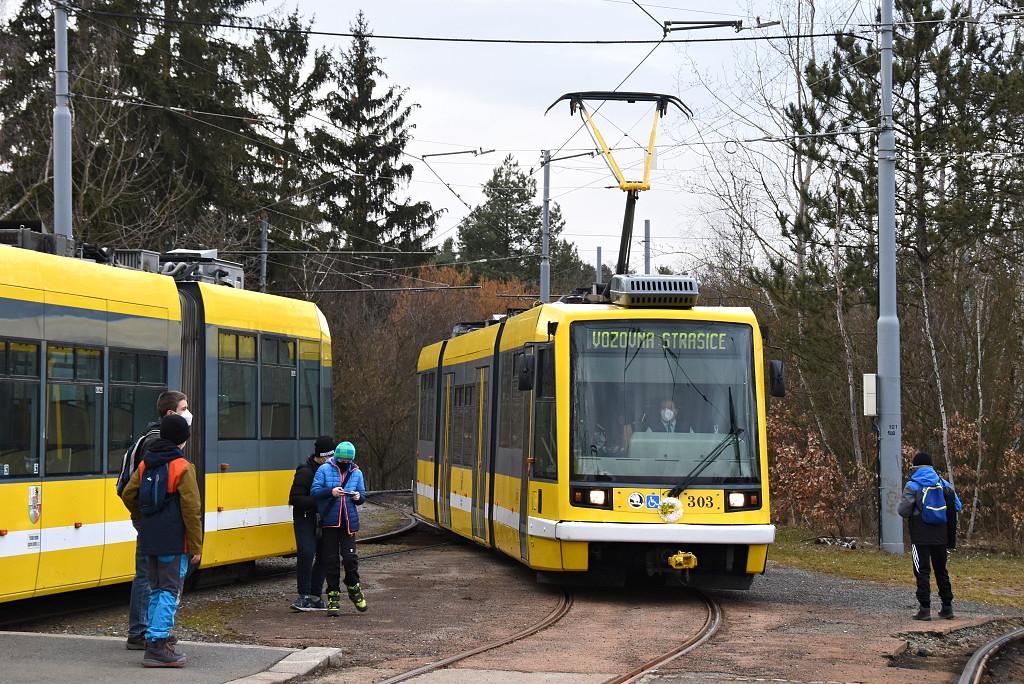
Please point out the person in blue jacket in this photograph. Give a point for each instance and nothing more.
(339, 491)
(930, 505)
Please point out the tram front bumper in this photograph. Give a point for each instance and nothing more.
(652, 532)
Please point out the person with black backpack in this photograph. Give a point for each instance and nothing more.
(163, 496)
(168, 403)
(930, 505)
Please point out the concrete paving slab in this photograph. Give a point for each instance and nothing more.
(29, 658)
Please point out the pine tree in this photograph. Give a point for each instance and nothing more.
(360, 196)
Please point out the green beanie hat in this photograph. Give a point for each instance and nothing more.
(345, 451)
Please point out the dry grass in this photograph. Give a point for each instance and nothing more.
(986, 577)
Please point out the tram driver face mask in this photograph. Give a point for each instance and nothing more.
(667, 415)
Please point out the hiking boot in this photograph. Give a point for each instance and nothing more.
(316, 603)
(160, 654)
(923, 614)
(334, 603)
(946, 612)
(136, 643)
(355, 593)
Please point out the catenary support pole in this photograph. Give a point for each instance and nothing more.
(545, 265)
(61, 127)
(889, 415)
(264, 229)
(647, 246)
(600, 276)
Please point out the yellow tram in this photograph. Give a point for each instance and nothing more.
(604, 440)
(85, 349)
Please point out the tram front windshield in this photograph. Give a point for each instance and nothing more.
(657, 402)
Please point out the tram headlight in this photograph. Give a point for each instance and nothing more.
(737, 500)
(597, 497)
(745, 500)
(591, 497)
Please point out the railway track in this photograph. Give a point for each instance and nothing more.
(712, 622)
(560, 610)
(979, 664)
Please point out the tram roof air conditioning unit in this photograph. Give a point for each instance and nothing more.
(202, 265)
(654, 291)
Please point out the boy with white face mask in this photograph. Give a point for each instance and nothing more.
(168, 403)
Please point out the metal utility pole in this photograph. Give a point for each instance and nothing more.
(545, 265)
(890, 483)
(264, 229)
(61, 127)
(600, 276)
(647, 247)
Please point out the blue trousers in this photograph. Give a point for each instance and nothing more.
(166, 578)
(138, 610)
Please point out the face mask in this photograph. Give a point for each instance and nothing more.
(667, 415)
(187, 415)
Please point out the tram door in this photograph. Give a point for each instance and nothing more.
(525, 360)
(443, 483)
(480, 467)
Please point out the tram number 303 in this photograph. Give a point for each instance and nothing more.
(700, 501)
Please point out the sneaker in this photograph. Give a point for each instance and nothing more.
(355, 593)
(316, 603)
(300, 604)
(947, 612)
(334, 603)
(161, 654)
(923, 614)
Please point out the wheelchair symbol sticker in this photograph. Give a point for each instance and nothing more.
(653, 500)
(636, 500)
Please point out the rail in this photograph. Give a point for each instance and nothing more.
(974, 671)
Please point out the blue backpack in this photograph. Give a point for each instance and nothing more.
(153, 490)
(933, 504)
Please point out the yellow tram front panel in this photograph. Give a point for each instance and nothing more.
(20, 524)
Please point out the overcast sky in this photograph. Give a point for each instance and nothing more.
(493, 96)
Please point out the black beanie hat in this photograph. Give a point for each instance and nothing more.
(922, 458)
(324, 446)
(174, 429)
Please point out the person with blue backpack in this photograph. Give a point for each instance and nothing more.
(339, 491)
(930, 505)
(164, 500)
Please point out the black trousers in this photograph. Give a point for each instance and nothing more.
(928, 556)
(338, 547)
(308, 567)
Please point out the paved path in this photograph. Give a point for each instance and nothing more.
(28, 657)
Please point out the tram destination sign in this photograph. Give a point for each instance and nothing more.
(712, 340)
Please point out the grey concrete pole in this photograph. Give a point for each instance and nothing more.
(264, 229)
(61, 127)
(545, 265)
(890, 485)
(600, 276)
(647, 247)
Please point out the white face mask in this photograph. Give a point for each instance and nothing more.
(667, 415)
(187, 415)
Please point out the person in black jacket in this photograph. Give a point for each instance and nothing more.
(309, 569)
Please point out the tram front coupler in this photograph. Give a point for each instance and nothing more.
(682, 560)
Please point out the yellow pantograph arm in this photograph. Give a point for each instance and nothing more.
(650, 151)
(604, 148)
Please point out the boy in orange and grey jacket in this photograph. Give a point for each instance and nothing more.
(163, 497)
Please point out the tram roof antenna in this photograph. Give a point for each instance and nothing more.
(631, 188)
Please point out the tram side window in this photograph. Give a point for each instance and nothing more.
(236, 391)
(136, 380)
(74, 410)
(19, 406)
(427, 402)
(278, 388)
(309, 388)
(545, 451)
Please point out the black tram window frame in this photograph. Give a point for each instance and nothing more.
(99, 388)
(300, 385)
(277, 363)
(36, 380)
(246, 363)
(136, 382)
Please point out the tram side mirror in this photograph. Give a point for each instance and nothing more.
(777, 378)
(527, 366)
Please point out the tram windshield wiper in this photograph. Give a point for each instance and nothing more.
(733, 436)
